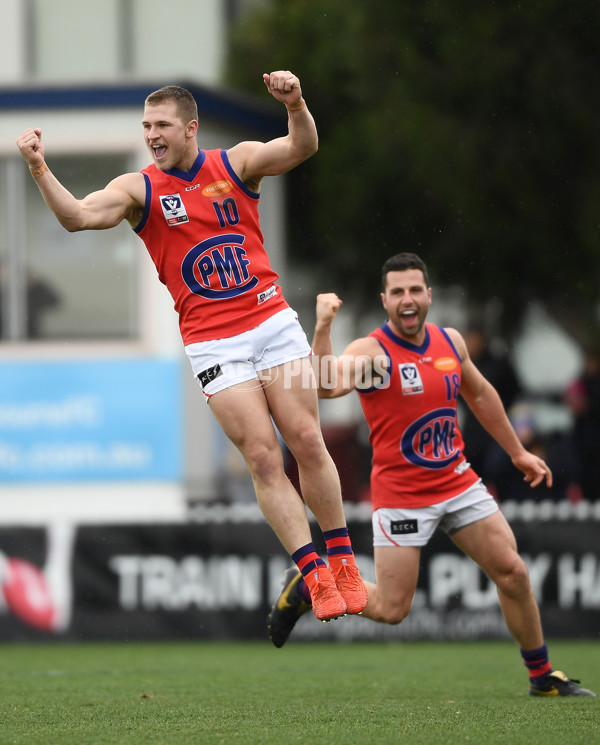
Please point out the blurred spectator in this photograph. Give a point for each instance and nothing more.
(233, 480)
(234, 483)
(583, 398)
(40, 298)
(501, 374)
(557, 449)
(348, 445)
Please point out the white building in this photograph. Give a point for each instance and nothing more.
(100, 415)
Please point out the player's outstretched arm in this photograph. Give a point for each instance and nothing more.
(122, 199)
(535, 469)
(484, 401)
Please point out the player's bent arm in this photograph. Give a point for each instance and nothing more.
(253, 160)
(354, 368)
(122, 199)
(338, 376)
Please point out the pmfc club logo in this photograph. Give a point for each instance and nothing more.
(218, 268)
(174, 209)
(429, 441)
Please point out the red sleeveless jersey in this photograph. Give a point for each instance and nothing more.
(417, 447)
(202, 231)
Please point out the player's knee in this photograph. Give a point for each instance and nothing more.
(394, 614)
(514, 579)
(307, 445)
(264, 463)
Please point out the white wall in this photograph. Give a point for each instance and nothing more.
(12, 48)
(182, 39)
(85, 40)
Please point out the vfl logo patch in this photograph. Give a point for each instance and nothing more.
(210, 374)
(411, 379)
(218, 268)
(403, 527)
(429, 441)
(173, 209)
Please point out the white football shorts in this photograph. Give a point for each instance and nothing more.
(414, 527)
(221, 363)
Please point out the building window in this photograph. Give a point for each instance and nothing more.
(56, 285)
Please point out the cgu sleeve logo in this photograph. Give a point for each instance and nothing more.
(429, 441)
(217, 268)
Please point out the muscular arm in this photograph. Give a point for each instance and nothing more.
(254, 160)
(338, 376)
(122, 199)
(484, 401)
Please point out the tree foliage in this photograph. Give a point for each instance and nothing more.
(465, 132)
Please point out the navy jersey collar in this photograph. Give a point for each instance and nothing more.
(407, 344)
(192, 173)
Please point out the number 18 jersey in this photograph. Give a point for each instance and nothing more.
(417, 446)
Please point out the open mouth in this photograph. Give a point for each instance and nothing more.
(159, 151)
(409, 318)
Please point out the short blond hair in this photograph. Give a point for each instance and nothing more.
(185, 103)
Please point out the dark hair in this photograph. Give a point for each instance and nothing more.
(185, 103)
(400, 263)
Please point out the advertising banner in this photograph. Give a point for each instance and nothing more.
(87, 421)
(217, 581)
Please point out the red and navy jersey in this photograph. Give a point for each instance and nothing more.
(417, 446)
(202, 231)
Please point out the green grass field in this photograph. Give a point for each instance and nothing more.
(253, 694)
